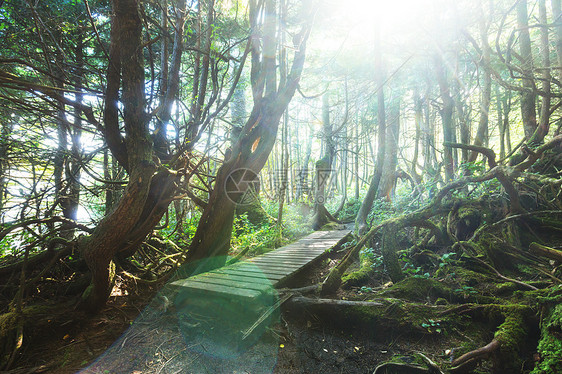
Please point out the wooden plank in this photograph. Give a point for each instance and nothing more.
(282, 260)
(251, 268)
(287, 269)
(223, 290)
(240, 278)
(287, 264)
(230, 283)
(297, 251)
(247, 266)
(300, 251)
(274, 277)
(304, 251)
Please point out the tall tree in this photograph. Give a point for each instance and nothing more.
(324, 168)
(446, 112)
(486, 88)
(388, 177)
(528, 96)
(250, 152)
(367, 204)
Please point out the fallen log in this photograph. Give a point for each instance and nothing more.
(301, 301)
(542, 250)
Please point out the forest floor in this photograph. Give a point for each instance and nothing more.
(134, 334)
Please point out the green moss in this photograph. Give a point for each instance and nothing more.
(505, 288)
(396, 316)
(511, 334)
(363, 274)
(550, 345)
(419, 289)
(8, 324)
(330, 226)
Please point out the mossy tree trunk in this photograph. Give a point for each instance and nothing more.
(389, 250)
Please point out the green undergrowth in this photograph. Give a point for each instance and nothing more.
(264, 237)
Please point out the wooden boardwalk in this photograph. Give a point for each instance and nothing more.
(256, 276)
(226, 310)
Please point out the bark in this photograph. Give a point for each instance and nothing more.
(486, 89)
(506, 105)
(418, 113)
(501, 126)
(429, 136)
(556, 13)
(356, 162)
(344, 176)
(388, 178)
(302, 174)
(324, 169)
(542, 250)
(284, 176)
(285, 162)
(528, 97)
(544, 118)
(71, 200)
(4, 165)
(238, 111)
(463, 121)
(122, 228)
(62, 137)
(446, 116)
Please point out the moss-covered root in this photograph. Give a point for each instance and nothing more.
(361, 276)
(10, 323)
(15, 328)
(507, 345)
(550, 344)
(389, 248)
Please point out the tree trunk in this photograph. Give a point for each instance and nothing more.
(556, 13)
(302, 174)
(485, 97)
(324, 169)
(148, 194)
(544, 118)
(446, 117)
(506, 105)
(501, 126)
(528, 98)
(367, 204)
(5, 138)
(284, 176)
(388, 177)
(71, 200)
(250, 152)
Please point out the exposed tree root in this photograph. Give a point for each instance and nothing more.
(509, 341)
(477, 354)
(400, 368)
